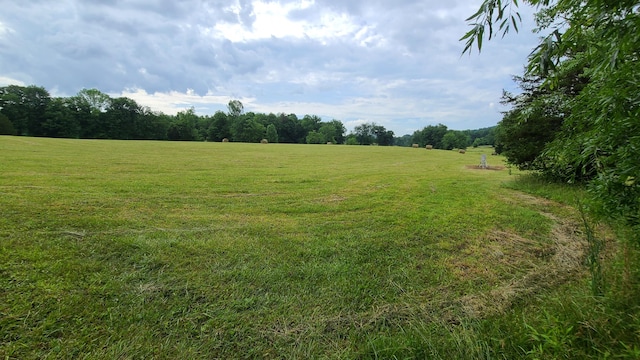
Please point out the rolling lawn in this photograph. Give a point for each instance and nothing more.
(140, 249)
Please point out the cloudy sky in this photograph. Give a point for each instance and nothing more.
(396, 63)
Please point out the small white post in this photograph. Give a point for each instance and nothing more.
(483, 161)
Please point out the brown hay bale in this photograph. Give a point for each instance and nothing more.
(494, 153)
(415, 146)
(225, 140)
(329, 143)
(462, 151)
(264, 141)
(429, 147)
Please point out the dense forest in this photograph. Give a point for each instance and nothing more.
(91, 114)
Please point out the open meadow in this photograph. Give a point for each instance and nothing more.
(142, 249)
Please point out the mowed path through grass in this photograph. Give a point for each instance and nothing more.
(130, 249)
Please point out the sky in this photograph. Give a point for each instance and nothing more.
(396, 63)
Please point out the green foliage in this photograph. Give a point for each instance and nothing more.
(59, 120)
(404, 140)
(454, 139)
(333, 131)
(365, 133)
(6, 127)
(371, 133)
(311, 123)
(604, 316)
(610, 109)
(219, 127)
(430, 135)
(25, 107)
(290, 129)
(183, 126)
(315, 137)
(88, 107)
(484, 136)
(384, 137)
(247, 129)
(271, 134)
(589, 63)
(96, 100)
(352, 140)
(553, 341)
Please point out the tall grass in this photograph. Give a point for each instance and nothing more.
(599, 318)
(130, 249)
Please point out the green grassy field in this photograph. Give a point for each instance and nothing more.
(131, 249)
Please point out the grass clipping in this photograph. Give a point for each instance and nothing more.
(567, 253)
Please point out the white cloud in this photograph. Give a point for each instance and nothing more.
(396, 63)
(174, 101)
(4, 29)
(5, 81)
(273, 19)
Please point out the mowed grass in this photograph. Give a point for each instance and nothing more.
(132, 249)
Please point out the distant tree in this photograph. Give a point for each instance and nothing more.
(152, 125)
(271, 133)
(340, 131)
(88, 107)
(121, 119)
(351, 140)
(484, 136)
(311, 123)
(290, 129)
(454, 139)
(430, 135)
(183, 126)
(59, 120)
(384, 137)
(315, 137)
(365, 134)
(271, 118)
(161, 127)
(372, 133)
(25, 107)
(333, 131)
(219, 127)
(12, 106)
(246, 129)
(404, 140)
(535, 119)
(202, 126)
(6, 127)
(97, 100)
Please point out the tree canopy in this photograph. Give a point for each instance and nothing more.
(586, 96)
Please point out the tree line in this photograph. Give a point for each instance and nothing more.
(91, 114)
